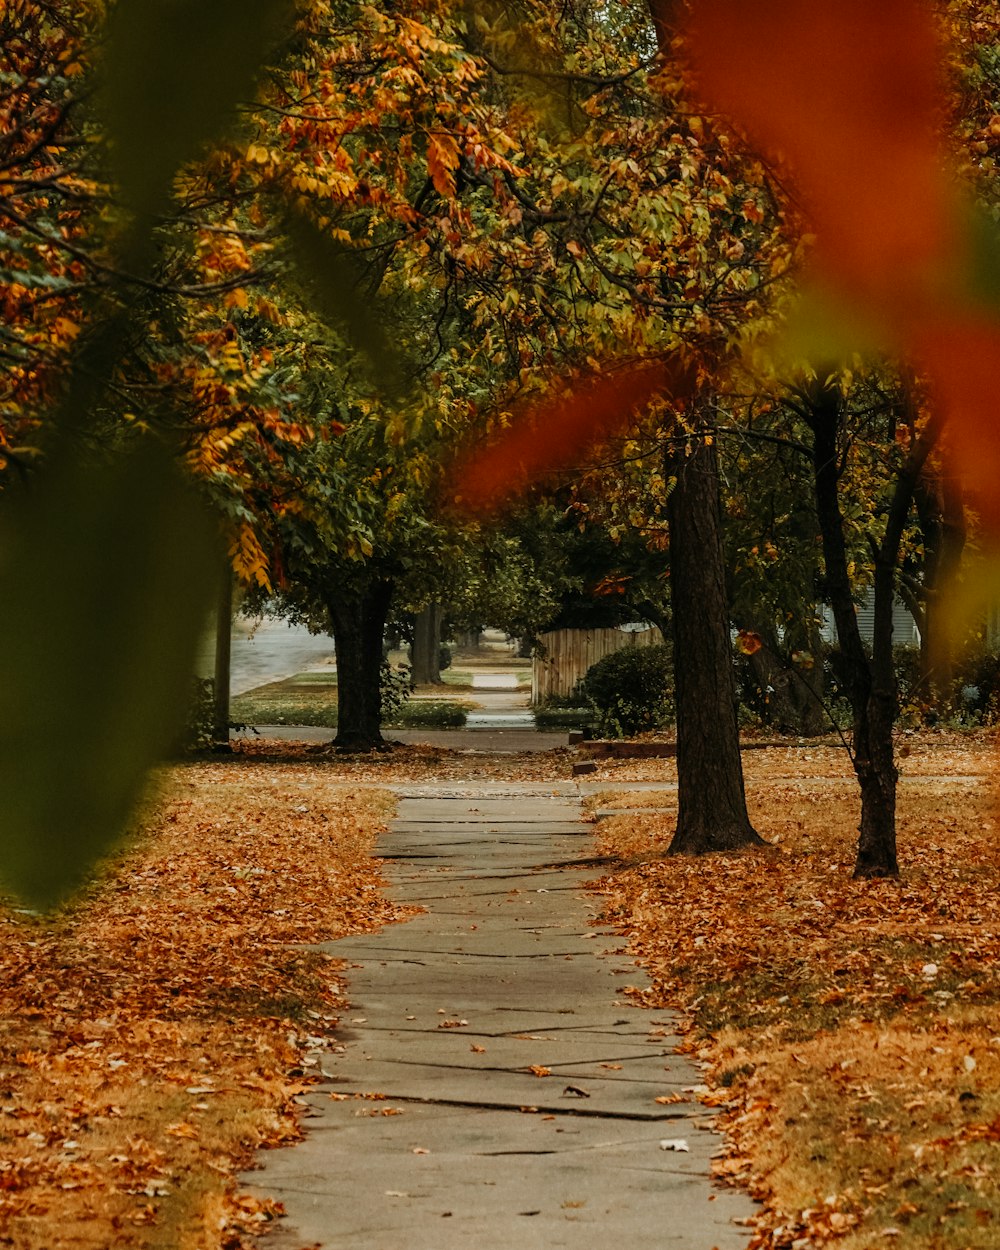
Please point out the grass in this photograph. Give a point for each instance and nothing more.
(429, 713)
(311, 699)
(463, 677)
(849, 1031)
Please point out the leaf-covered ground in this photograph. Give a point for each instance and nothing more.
(849, 1031)
(158, 1032)
(153, 1035)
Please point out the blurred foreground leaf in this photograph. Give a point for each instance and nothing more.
(108, 571)
(174, 70)
(333, 277)
(983, 273)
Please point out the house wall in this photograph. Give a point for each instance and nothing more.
(904, 627)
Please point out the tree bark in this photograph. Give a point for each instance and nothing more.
(358, 621)
(425, 654)
(223, 658)
(871, 683)
(712, 813)
(941, 513)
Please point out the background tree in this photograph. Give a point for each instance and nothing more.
(870, 680)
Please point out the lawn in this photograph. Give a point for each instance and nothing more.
(157, 1032)
(153, 1035)
(849, 1031)
(311, 699)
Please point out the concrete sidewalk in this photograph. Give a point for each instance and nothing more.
(493, 1087)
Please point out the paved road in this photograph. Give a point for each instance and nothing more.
(269, 652)
(275, 650)
(492, 1087)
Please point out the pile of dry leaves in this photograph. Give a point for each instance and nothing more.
(153, 1034)
(849, 1031)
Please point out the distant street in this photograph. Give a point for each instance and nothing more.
(273, 650)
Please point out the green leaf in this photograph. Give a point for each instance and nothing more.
(173, 72)
(983, 273)
(108, 571)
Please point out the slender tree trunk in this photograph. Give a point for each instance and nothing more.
(425, 655)
(941, 512)
(223, 656)
(871, 683)
(873, 711)
(712, 812)
(358, 620)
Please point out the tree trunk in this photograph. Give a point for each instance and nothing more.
(871, 683)
(358, 620)
(873, 711)
(223, 656)
(425, 654)
(793, 694)
(711, 809)
(941, 512)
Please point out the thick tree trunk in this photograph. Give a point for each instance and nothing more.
(425, 654)
(358, 621)
(712, 812)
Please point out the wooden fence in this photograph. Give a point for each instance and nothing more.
(564, 655)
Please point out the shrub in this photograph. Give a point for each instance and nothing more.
(429, 714)
(978, 677)
(631, 690)
(199, 732)
(395, 687)
(575, 717)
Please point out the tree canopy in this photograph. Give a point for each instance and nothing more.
(374, 262)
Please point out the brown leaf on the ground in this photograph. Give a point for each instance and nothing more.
(848, 1031)
(152, 1035)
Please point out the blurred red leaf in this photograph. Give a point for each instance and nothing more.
(550, 435)
(848, 93)
(961, 353)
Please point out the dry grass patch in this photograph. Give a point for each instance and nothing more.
(417, 763)
(153, 1035)
(851, 1030)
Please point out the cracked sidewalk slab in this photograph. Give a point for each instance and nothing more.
(492, 1084)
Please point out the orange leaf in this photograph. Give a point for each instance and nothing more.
(182, 1130)
(442, 161)
(747, 642)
